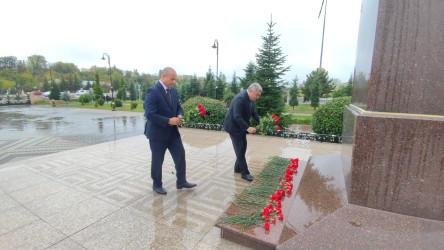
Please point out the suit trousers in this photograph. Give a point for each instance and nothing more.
(177, 151)
(240, 148)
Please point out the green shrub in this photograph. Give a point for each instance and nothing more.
(85, 98)
(327, 119)
(118, 103)
(214, 111)
(101, 101)
(268, 124)
(134, 105)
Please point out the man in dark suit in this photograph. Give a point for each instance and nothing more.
(163, 113)
(237, 124)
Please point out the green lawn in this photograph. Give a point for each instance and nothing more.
(126, 106)
(301, 108)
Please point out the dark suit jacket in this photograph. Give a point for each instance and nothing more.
(237, 120)
(158, 112)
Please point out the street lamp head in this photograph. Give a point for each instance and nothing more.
(215, 44)
(103, 57)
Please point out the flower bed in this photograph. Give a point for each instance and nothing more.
(261, 203)
(257, 217)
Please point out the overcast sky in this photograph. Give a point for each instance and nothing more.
(150, 35)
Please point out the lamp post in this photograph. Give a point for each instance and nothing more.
(216, 46)
(323, 29)
(110, 78)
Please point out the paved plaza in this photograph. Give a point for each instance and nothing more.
(70, 190)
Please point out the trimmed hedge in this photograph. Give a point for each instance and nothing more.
(214, 111)
(328, 117)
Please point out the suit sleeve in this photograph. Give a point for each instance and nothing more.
(238, 111)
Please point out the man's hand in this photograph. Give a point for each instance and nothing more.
(251, 130)
(174, 121)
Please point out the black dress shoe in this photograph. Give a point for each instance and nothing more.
(247, 177)
(185, 185)
(160, 190)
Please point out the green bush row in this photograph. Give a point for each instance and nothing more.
(328, 118)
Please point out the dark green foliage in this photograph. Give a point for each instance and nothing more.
(319, 77)
(220, 88)
(344, 90)
(132, 90)
(268, 125)
(55, 92)
(234, 87)
(215, 111)
(65, 96)
(250, 76)
(270, 69)
(101, 101)
(294, 92)
(328, 118)
(209, 87)
(121, 93)
(134, 105)
(118, 103)
(98, 91)
(85, 98)
(315, 91)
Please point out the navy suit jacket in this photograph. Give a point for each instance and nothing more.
(237, 120)
(158, 112)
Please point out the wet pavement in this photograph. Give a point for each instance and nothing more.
(29, 131)
(88, 126)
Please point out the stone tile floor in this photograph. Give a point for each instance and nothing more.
(100, 196)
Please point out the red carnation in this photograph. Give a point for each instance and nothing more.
(267, 226)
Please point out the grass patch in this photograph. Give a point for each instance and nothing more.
(302, 108)
(107, 106)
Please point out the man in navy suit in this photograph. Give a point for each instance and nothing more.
(163, 113)
(237, 124)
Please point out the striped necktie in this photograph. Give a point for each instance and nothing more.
(169, 97)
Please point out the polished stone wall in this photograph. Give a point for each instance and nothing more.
(396, 121)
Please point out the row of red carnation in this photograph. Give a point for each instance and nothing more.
(274, 208)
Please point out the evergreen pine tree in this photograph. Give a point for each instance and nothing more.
(270, 69)
(132, 90)
(209, 88)
(220, 87)
(234, 87)
(250, 75)
(98, 91)
(315, 92)
(294, 92)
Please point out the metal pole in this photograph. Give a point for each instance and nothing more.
(323, 31)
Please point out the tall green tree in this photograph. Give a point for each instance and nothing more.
(250, 75)
(209, 87)
(220, 87)
(98, 91)
(194, 88)
(315, 91)
(132, 91)
(294, 92)
(234, 87)
(55, 92)
(121, 93)
(345, 90)
(37, 65)
(270, 69)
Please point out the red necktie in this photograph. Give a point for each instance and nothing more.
(169, 97)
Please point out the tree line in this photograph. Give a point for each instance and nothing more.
(36, 73)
